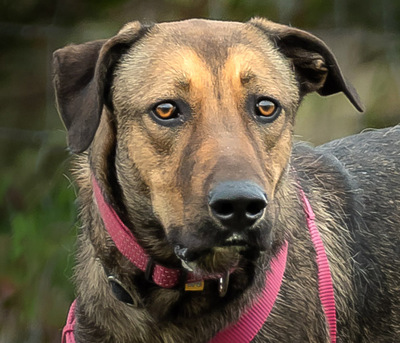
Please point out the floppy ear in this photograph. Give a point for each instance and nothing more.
(81, 76)
(315, 65)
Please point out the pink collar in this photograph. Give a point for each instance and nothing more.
(251, 321)
(127, 244)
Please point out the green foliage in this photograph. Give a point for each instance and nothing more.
(36, 261)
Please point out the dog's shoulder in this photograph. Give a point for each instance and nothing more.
(373, 158)
(317, 167)
(367, 163)
(368, 147)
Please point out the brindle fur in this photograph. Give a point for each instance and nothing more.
(157, 178)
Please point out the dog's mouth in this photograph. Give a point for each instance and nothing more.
(236, 240)
(219, 259)
(207, 251)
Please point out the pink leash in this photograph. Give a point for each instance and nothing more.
(68, 331)
(325, 284)
(251, 321)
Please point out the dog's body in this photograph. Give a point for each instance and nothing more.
(188, 128)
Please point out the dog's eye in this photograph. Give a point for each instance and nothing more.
(266, 108)
(166, 110)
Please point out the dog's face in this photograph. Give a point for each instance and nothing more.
(212, 112)
(202, 115)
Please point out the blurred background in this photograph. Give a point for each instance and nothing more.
(38, 221)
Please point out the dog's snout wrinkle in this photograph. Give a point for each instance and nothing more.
(237, 205)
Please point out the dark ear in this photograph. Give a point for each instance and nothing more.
(314, 63)
(81, 73)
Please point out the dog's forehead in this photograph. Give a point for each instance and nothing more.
(188, 46)
(209, 39)
(188, 30)
(212, 41)
(198, 57)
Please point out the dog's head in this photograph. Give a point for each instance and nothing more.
(195, 118)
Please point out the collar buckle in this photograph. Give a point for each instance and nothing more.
(120, 292)
(148, 273)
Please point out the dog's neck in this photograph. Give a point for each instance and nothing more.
(268, 287)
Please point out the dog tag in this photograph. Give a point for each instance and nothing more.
(194, 286)
(223, 285)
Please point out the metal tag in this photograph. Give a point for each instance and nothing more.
(223, 285)
(194, 286)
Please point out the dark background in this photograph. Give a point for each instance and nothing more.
(37, 211)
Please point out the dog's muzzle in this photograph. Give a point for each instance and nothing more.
(235, 228)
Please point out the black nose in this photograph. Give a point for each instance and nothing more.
(237, 204)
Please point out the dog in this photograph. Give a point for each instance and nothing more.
(186, 166)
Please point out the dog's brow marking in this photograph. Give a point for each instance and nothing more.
(236, 74)
(259, 70)
(234, 67)
(246, 76)
(195, 72)
(182, 82)
(239, 67)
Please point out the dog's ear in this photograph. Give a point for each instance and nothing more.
(314, 63)
(81, 76)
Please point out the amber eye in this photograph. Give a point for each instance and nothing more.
(266, 108)
(166, 110)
